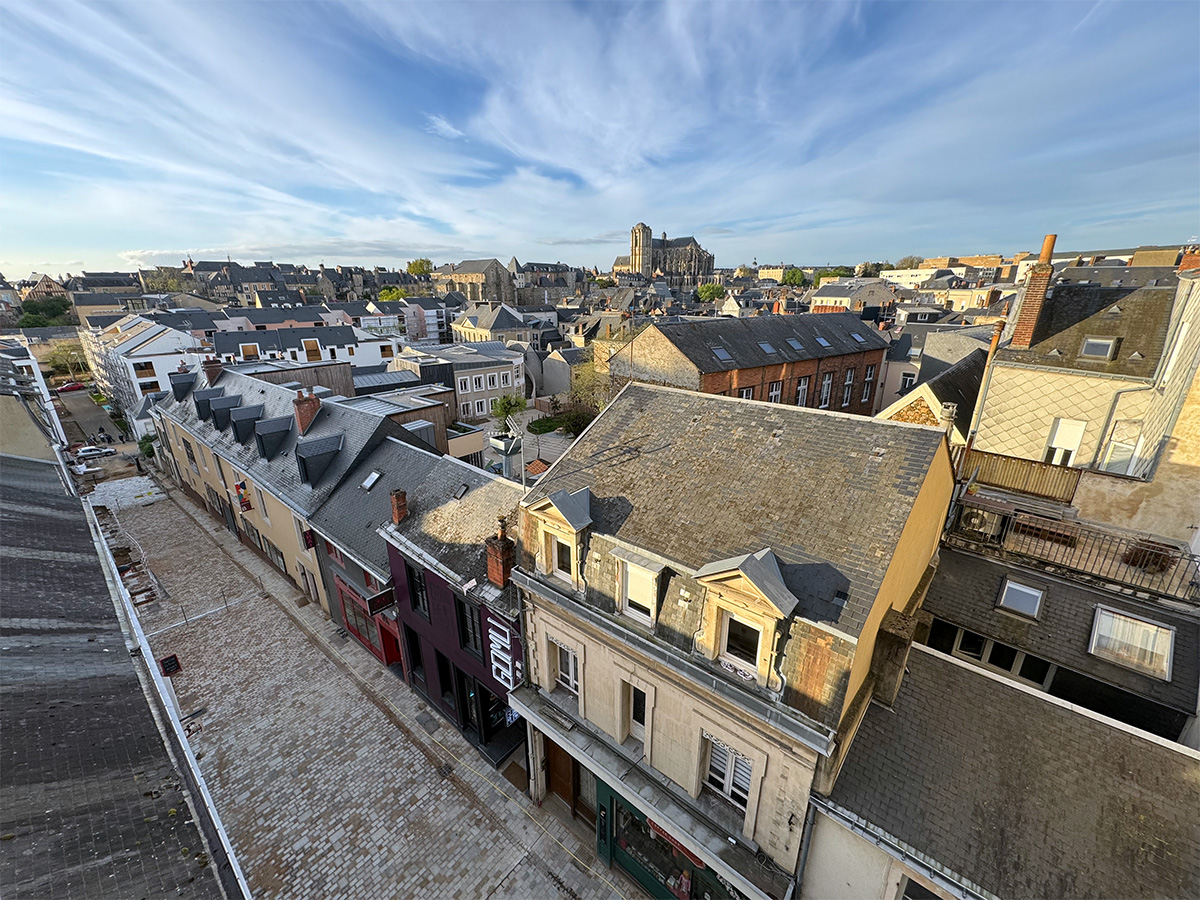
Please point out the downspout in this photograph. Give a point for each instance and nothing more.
(977, 416)
(810, 816)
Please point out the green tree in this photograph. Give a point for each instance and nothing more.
(711, 292)
(507, 405)
(794, 278)
(421, 266)
(588, 387)
(66, 359)
(605, 283)
(33, 320)
(909, 262)
(163, 282)
(55, 306)
(388, 294)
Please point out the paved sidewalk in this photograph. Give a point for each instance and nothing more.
(327, 783)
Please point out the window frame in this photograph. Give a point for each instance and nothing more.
(464, 385)
(571, 682)
(637, 730)
(1010, 583)
(775, 392)
(335, 554)
(1098, 339)
(623, 600)
(1013, 673)
(555, 560)
(802, 390)
(746, 393)
(907, 381)
(848, 388)
(726, 779)
(868, 381)
(470, 627)
(418, 590)
(826, 390)
(723, 654)
(1093, 650)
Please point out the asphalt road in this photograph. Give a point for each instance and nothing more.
(91, 418)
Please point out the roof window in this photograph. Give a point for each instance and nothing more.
(766, 347)
(1132, 642)
(795, 344)
(858, 337)
(823, 342)
(1098, 347)
(369, 481)
(722, 354)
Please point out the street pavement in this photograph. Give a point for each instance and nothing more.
(91, 418)
(333, 779)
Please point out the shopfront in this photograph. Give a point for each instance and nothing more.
(366, 620)
(651, 855)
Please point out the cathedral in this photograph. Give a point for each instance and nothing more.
(675, 259)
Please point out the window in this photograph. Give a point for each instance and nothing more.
(1020, 598)
(464, 385)
(868, 380)
(350, 350)
(334, 553)
(416, 589)
(722, 354)
(1065, 437)
(478, 382)
(765, 347)
(262, 505)
(416, 664)
(386, 351)
(560, 558)
(637, 713)
(187, 448)
(826, 389)
(728, 773)
(249, 351)
(739, 643)
(746, 393)
(445, 673)
(274, 555)
(491, 381)
(794, 344)
(481, 407)
(1118, 458)
(370, 581)
(358, 621)
(802, 391)
(1098, 348)
(638, 592)
(848, 387)
(505, 379)
(823, 342)
(858, 337)
(775, 391)
(1132, 642)
(468, 627)
(305, 540)
(465, 410)
(907, 380)
(568, 669)
(991, 654)
(333, 352)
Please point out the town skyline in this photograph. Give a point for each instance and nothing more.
(141, 134)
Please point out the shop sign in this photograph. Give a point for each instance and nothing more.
(381, 601)
(504, 650)
(658, 832)
(243, 496)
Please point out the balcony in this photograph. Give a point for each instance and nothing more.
(1022, 476)
(1115, 559)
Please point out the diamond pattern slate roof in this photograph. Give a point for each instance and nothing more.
(1021, 795)
(451, 530)
(741, 337)
(698, 478)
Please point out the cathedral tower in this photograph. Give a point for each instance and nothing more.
(641, 248)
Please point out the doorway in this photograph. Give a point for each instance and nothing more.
(571, 782)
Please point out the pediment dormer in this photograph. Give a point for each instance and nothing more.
(756, 576)
(563, 519)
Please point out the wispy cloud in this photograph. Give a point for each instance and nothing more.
(813, 133)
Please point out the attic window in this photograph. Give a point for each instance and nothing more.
(858, 337)
(461, 492)
(795, 344)
(823, 342)
(766, 347)
(722, 354)
(1098, 348)
(369, 481)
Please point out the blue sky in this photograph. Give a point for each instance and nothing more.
(137, 133)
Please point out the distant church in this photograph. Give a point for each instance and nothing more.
(675, 259)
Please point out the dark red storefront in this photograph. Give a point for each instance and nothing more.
(368, 619)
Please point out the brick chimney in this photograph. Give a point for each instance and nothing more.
(212, 369)
(1189, 260)
(501, 555)
(399, 506)
(307, 407)
(1036, 289)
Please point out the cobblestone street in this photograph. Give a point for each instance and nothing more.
(327, 782)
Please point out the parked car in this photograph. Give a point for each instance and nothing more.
(93, 452)
(70, 386)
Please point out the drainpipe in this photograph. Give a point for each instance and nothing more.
(997, 331)
(810, 815)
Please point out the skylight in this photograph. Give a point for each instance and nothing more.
(722, 354)
(766, 347)
(795, 344)
(858, 337)
(369, 481)
(823, 342)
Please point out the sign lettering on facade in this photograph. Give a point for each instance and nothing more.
(504, 650)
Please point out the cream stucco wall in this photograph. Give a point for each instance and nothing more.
(677, 712)
(844, 866)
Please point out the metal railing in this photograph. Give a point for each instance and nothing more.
(1011, 473)
(1110, 557)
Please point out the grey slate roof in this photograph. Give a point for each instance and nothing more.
(943, 347)
(1117, 276)
(698, 478)
(362, 432)
(741, 337)
(450, 530)
(1021, 795)
(284, 338)
(960, 385)
(273, 315)
(475, 266)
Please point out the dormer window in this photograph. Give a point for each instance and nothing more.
(1098, 347)
(638, 588)
(561, 556)
(740, 643)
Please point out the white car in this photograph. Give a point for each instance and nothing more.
(93, 452)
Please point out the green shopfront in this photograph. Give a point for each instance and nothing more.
(655, 859)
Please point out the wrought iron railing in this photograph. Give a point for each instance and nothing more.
(1011, 473)
(1117, 559)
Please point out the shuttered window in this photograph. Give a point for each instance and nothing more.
(728, 773)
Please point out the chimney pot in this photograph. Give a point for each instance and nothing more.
(399, 506)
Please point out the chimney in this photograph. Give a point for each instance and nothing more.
(946, 417)
(307, 407)
(1036, 288)
(1189, 260)
(501, 555)
(399, 506)
(890, 656)
(212, 369)
(182, 367)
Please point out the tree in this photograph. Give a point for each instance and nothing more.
(794, 278)
(605, 283)
(65, 359)
(507, 405)
(588, 387)
(909, 262)
(868, 269)
(54, 307)
(388, 294)
(33, 320)
(163, 282)
(421, 266)
(711, 292)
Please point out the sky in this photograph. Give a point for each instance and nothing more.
(137, 134)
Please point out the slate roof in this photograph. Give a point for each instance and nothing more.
(273, 315)
(475, 266)
(279, 298)
(1138, 317)
(362, 432)
(373, 382)
(201, 320)
(1117, 276)
(1020, 794)
(284, 338)
(674, 243)
(943, 347)
(452, 531)
(696, 478)
(86, 780)
(101, 299)
(959, 384)
(741, 337)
